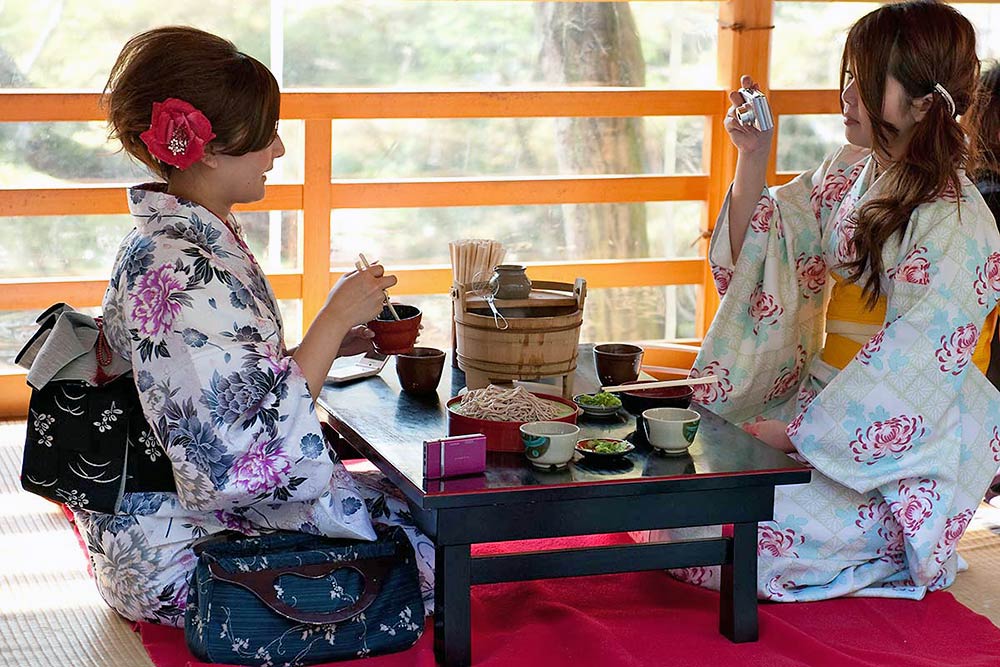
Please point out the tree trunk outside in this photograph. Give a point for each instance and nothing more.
(597, 44)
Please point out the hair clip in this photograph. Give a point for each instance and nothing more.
(947, 97)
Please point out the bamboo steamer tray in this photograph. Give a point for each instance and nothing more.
(541, 338)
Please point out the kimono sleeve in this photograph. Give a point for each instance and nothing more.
(770, 319)
(911, 416)
(232, 412)
(898, 409)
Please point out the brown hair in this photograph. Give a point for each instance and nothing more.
(920, 44)
(237, 93)
(989, 126)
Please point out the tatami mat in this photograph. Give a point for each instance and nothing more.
(979, 587)
(52, 616)
(50, 612)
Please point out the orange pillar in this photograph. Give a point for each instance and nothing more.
(745, 28)
(316, 206)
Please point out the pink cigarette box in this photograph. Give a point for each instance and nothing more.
(454, 456)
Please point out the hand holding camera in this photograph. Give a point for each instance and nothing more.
(749, 120)
(756, 111)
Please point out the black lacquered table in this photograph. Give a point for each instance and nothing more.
(727, 478)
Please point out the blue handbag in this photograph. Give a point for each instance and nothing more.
(295, 599)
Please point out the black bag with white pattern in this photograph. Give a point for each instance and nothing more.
(88, 445)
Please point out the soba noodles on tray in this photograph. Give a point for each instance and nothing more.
(508, 405)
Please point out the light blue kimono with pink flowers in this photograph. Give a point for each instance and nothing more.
(188, 305)
(906, 438)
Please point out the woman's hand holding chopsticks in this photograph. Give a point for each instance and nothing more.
(357, 298)
(363, 265)
(361, 293)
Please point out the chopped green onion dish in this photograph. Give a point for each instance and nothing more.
(602, 399)
(607, 446)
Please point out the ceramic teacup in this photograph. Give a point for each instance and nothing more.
(549, 444)
(419, 370)
(393, 336)
(670, 430)
(617, 363)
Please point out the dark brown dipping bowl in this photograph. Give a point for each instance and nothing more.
(419, 370)
(639, 401)
(617, 363)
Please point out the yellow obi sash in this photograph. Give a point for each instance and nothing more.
(849, 325)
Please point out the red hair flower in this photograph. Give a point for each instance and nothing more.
(178, 133)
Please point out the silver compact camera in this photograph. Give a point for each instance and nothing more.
(759, 113)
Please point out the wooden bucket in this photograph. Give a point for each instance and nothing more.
(540, 339)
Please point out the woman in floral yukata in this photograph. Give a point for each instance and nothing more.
(188, 304)
(892, 408)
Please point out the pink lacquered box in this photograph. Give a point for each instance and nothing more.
(454, 456)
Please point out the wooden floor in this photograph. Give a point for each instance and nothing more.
(52, 615)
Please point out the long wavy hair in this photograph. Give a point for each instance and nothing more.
(920, 44)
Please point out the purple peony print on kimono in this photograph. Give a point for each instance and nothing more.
(158, 300)
(191, 308)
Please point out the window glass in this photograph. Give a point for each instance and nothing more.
(291, 318)
(71, 246)
(986, 19)
(809, 39)
(73, 43)
(498, 44)
(517, 146)
(804, 140)
(345, 43)
(529, 233)
(53, 155)
(60, 246)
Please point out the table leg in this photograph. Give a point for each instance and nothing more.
(738, 585)
(452, 608)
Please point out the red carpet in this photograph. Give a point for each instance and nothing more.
(651, 619)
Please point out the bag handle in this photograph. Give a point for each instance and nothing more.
(262, 584)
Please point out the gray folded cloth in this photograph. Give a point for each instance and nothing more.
(64, 348)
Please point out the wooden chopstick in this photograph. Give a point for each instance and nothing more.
(708, 379)
(364, 262)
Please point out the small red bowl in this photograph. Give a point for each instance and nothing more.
(640, 400)
(394, 336)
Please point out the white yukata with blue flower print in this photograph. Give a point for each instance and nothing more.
(905, 439)
(189, 306)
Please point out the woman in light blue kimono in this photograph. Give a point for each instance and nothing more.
(882, 391)
(192, 310)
